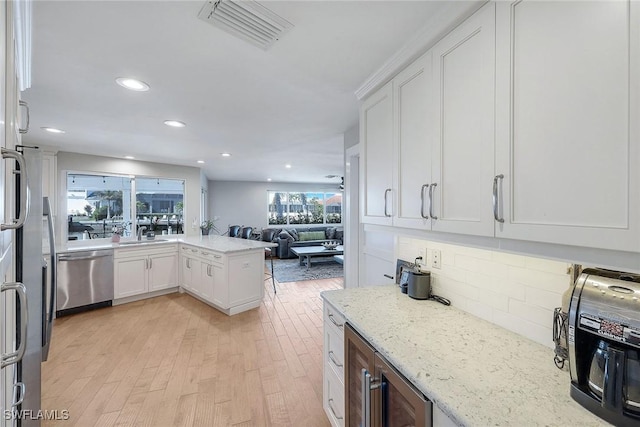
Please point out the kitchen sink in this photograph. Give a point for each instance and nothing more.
(143, 242)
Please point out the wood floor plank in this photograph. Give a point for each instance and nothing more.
(173, 360)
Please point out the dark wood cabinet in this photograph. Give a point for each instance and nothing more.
(377, 395)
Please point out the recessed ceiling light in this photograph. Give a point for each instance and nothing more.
(129, 157)
(53, 130)
(225, 154)
(287, 166)
(268, 179)
(132, 84)
(174, 123)
(200, 161)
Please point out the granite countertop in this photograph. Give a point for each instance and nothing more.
(477, 373)
(215, 243)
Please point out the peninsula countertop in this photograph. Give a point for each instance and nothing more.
(477, 373)
(216, 243)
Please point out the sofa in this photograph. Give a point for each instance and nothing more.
(306, 236)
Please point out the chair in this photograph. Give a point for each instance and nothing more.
(268, 252)
(234, 230)
(245, 232)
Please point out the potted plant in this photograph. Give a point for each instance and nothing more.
(207, 226)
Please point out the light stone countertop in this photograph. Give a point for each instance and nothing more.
(215, 243)
(477, 373)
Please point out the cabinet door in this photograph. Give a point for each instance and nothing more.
(188, 272)
(463, 150)
(412, 90)
(376, 134)
(568, 129)
(208, 280)
(163, 271)
(131, 277)
(359, 356)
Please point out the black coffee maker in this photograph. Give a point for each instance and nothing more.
(604, 344)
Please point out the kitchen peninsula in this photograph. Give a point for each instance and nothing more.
(226, 273)
(475, 373)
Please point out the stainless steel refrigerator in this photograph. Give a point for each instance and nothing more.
(33, 324)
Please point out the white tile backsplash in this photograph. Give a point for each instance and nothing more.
(516, 292)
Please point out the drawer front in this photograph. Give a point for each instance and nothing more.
(333, 319)
(334, 352)
(333, 398)
(212, 256)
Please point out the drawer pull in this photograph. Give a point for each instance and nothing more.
(333, 359)
(333, 411)
(339, 325)
(217, 256)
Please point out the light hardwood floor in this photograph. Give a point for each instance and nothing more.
(175, 361)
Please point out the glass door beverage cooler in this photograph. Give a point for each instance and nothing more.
(376, 394)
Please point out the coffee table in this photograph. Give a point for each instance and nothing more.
(308, 252)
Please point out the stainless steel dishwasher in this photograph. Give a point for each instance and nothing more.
(85, 281)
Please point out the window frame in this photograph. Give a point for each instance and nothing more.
(287, 213)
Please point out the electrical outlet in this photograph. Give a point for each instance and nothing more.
(437, 259)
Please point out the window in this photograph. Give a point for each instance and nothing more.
(160, 204)
(304, 208)
(98, 204)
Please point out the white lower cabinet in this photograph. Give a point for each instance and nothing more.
(231, 282)
(333, 367)
(138, 271)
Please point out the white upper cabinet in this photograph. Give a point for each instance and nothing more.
(412, 98)
(463, 149)
(376, 132)
(568, 101)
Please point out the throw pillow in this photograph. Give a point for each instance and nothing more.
(331, 233)
(339, 234)
(294, 233)
(311, 235)
(285, 235)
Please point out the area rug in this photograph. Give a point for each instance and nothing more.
(290, 270)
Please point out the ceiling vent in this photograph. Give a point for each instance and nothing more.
(246, 19)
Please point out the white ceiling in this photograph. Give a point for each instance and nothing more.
(290, 104)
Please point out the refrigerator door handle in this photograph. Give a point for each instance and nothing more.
(18, 386)
(24, 190)
(16, 356)
(53, 282)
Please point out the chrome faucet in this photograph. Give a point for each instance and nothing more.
(140, 230)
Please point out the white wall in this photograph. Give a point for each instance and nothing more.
(516, 292)
(245, 203)
(74, 162)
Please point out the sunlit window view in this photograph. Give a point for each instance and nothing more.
(98, 206)
(304, 208)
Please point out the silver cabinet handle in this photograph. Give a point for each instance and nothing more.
(431, 187)
(209, 270)
(217, 256)
(188, 262)
(333, 411)
(150, 263)
(26, 107)
(16, 356)
(146, 263)
(194, 250)
(422, 214)
(24, 192)
(388, 276)
(21, 387)
(496, 216)
(204, 253)
(339, 325)
(385, 201)
(333, 359)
